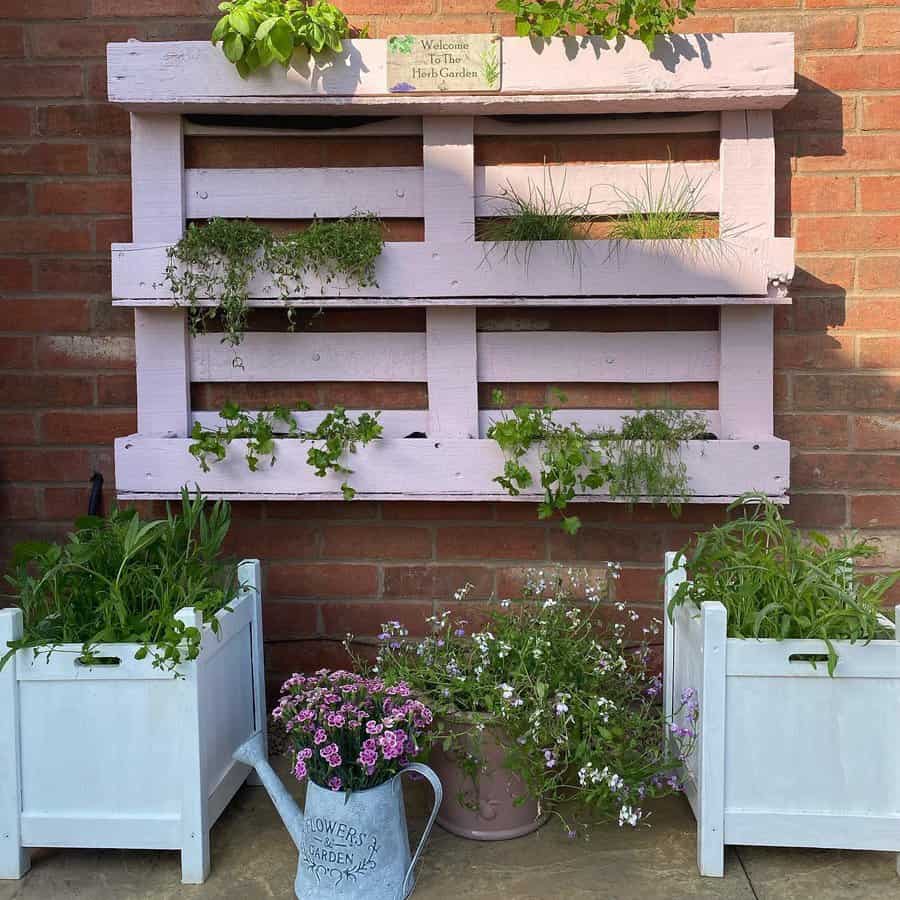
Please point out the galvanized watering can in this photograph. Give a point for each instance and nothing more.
(351, 845)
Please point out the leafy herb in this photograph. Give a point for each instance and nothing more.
(256, 33)
(641, 460)
(610, 19)
(776, 582)
(220, 258)
(121, 580)
(335, 436)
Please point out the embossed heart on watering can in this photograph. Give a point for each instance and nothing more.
(351, 844)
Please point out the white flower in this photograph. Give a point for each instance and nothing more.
(629, 816)
(505, 603)
(561, 708)
(549, 604)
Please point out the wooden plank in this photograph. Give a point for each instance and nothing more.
(638, 356)
(452, 364)
(839, 830)
(711, 820)
(686, 123)
(472, 270)
(449, 171)
(419, 469)
(747, 182)
(329, 356)
(387, 191)
(746, 380)
(158, 215)
(188, 73)
(14, 858)
(151, 831)
(603, 188)
(673, 579)
(398, 423)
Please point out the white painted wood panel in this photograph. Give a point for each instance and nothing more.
(187, 73)
(463, 269)
(452, 365)
(327, 193)
(746, 380)
(645, 356)
(605, 189)
(747, 182)
(158, 215)
(293, 356)
(418, 469)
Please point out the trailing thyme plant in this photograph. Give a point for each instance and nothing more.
(219, 259)
(334, 437)
(640, 461)
(777, 582)
(121, 580)
(550, 675)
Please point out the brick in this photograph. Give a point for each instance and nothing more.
(41, 80)
(620, 545)
(377, 541)
(814, 351)
(83, 197)
(85, 351)
(14, 198)
(18, 502)
(45, 390)
(831, 471)
(815, 110)
(875, 510)
(332, 580)
(41, 236)
(83, 120)
(817, 510)
(476, 542)
(43, 159)
(879, 353)
(872, 314)
(17, 352)
(274, 539)
(512, 581)
(385, 26)
(323, 509)
(15, 121)
(878, 273)
(818, 32)
(639, 585)
(822, 193)
(15, 274)
(17, 428)
(67, 503)
(437, 511)
(111, 231)
(127, 9)
(823, 275)
(73, 40)
(340, 619)
(716, 5)
(850, 153)
(27, 314)
(93, 427)
(880, 193)
(851, 392)
(89, 276)
(862, 233)
(876, 432)
(392, 7)
(437, 582)
(45, 9)
(881, 112)
(814, 432)
(12, 41)
(881, 28)
(706, 25)
(283, 620)
(116, 390)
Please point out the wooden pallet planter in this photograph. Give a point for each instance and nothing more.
(787, 756)
(727, 84)
(128, 756)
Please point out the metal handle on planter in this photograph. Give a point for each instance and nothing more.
(435, 783)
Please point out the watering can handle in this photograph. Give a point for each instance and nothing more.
(435, 783)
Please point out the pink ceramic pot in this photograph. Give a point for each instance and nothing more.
(482, 808)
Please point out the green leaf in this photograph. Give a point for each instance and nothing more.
(523, 28)
(282, 42)
(220, 30)
(240, 21)
(233, 47)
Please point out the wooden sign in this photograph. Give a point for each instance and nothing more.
(436, 63)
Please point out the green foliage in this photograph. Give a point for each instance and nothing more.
(401, 43)
(542, 214)
(549, 676)
(776, 582)
(121, 580)
(335, 436)
(659, 214)
(490, 65)
(256, 33)
(610, 19)
(639, 461)
(220, 258)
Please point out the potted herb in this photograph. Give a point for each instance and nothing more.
(545, 706)
(797, 673)
(135, 652)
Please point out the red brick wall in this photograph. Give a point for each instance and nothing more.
(67, 380)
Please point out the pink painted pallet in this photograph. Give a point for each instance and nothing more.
(727, 84)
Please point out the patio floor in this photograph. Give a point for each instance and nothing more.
(252, 857)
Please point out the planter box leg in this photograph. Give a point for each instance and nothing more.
(14, 858)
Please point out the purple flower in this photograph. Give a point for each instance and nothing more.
(320, 736)
(334, 783)
(300, 771)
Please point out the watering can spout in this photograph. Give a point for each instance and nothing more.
(253, 753)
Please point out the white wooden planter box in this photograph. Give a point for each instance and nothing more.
(128, 756)
(787, 756)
